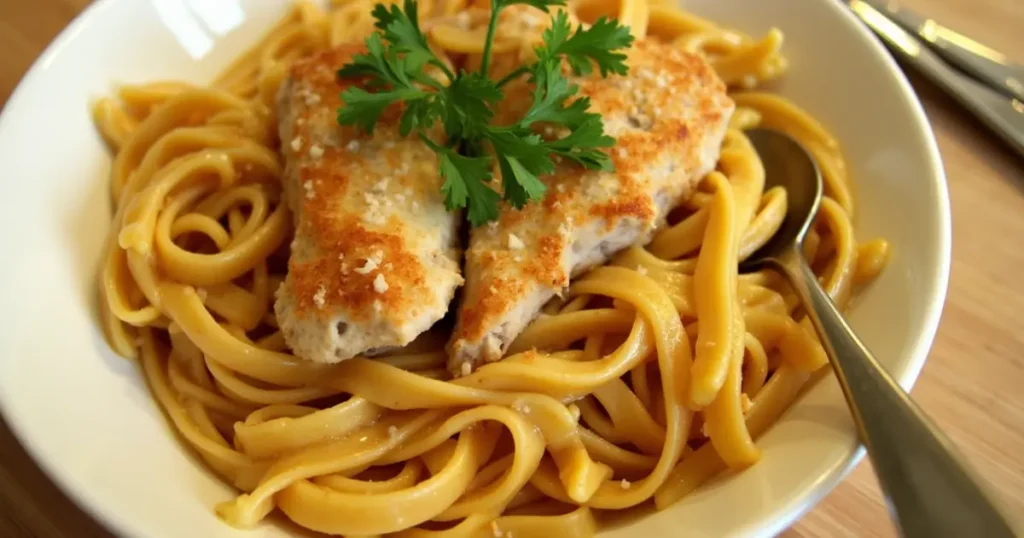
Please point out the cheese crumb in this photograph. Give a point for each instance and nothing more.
(466, 369)
(625, 484)
(379, 284)
(316, 151)
(320, 298)
(341, 255)
(514, 242)
(296, 143)
(368, 266)
(621, 152)
(308, 185)
(392, 431)
(642, 270)
(353, 146)
(312, 99)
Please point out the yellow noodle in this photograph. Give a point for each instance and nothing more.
(652, 375)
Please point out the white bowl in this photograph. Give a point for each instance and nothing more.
(87, 417)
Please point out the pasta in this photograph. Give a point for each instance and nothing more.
(653, 374)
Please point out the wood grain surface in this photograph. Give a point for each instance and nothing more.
(972, 385)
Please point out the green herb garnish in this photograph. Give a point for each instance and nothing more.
(464, 104)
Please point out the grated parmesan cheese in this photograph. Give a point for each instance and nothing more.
(353, 146)
(622, 153)
(311, 98)
(625, 484)
(642, 270)
(316, 151)
(392, 431)
(321, 297)
(379, 284)
(308, 185)
(466, 369)
(368, 266)
(514, 242)
(296, 143)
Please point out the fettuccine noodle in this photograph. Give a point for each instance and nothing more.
(653, 374)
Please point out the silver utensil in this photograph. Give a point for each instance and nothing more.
(989, 85)
(931, 491)
(984, 63)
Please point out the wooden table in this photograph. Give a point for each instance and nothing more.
(973, 382)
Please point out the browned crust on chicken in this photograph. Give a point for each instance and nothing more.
(668, 117)
(375, 261)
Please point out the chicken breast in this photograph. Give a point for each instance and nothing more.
(375, 260)
(668, 116)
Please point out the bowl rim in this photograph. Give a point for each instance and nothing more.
(785, 515)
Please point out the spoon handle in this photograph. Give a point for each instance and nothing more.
(929, 488)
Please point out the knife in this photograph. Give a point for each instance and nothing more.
(997, 107)
(978, 60)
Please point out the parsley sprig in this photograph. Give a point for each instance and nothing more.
(395, 70)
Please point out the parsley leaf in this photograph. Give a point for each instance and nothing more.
(391, 74)
(465, 184)
(522, 156)
(542, 5)
(587, 46)
(472, 98)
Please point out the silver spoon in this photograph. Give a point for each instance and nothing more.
(930, 489)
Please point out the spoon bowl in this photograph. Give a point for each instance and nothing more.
(931, 491)
(788, 165)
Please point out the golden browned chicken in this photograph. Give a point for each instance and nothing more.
(668, 116)
(375, 258)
